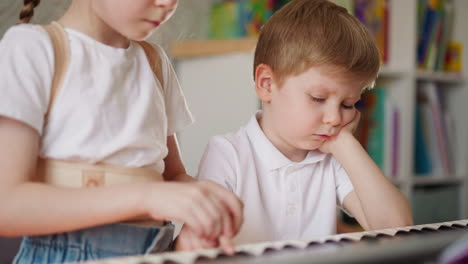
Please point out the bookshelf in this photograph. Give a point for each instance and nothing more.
(217, 80)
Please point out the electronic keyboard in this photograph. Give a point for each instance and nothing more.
(411, 244)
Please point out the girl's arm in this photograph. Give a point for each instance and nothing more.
(188, 240)
(29, 208)
(375, 202)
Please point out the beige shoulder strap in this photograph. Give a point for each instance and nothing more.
(59, 39)
(61, 49)
(154, 60)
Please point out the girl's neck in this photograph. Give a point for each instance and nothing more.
(80, 17)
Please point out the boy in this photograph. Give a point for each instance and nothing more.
(297, 158)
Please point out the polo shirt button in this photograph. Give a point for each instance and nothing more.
(291, 209)
(289, 170)
(292, 188)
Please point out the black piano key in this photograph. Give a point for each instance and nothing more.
(223, 256)
(400, 233)
(415, 231)
(368, 238)
(268, 250)
(165, 262)
(346, 241)
(428, 230)
(205, 258)
(448, 228)
(460, 226)
(243, 254)
(313, 244)
(289, 247)
(383, 235)
(330, 241)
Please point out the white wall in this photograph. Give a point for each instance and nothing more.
(221, 96)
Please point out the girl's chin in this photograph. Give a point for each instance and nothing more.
(139, 36)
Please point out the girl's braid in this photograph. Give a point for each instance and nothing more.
(28, 10)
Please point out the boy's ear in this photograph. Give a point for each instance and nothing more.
(263, 82)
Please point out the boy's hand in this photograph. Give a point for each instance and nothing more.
(330, 144)
(205, 207)
(189, 240)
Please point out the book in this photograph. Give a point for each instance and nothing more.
(422, 159)
(371, 130)
(434, 118)
(374, 15)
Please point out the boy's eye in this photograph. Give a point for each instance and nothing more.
(315, 99)
(347, 106)
(321, 100)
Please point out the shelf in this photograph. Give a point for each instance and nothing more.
(387, 72)
(396, 182)
(196, 48)
(431, 180)
(440, 76)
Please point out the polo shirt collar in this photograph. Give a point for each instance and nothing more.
(270, 157)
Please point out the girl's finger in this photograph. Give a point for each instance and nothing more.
(225, 243)
(234, 205)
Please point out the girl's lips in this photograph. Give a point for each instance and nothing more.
(153, 22)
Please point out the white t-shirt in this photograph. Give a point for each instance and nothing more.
(283, 199)
(110, 107)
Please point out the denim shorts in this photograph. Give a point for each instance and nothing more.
(113, 240)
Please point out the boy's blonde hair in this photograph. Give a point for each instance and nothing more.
(307, 33)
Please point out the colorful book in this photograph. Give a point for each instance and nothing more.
(374, 15)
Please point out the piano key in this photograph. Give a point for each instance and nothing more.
(374, 246)
(460, 226)
(428, 230)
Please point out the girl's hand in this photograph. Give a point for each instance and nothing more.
(205, 207)
(188, 240)
(330, 144)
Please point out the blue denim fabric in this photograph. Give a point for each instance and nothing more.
(106, 241)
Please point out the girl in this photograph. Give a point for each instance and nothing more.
(112, 123)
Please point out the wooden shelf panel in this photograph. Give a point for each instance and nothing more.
(195, 48)
(432, 180)
(440, 76)
(386, 71)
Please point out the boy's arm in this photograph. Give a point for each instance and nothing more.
(375, 202)
(174, 168)
(218, 163)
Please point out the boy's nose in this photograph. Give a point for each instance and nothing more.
(332, 117)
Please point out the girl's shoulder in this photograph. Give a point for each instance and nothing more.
(27, 40)
(27, 33)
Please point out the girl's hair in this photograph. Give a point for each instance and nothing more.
(27, 11)
(306, 33)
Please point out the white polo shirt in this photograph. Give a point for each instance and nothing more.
(283, 199)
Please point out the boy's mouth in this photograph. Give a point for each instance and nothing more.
(323, 136)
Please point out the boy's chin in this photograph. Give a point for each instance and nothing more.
(311, 146)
